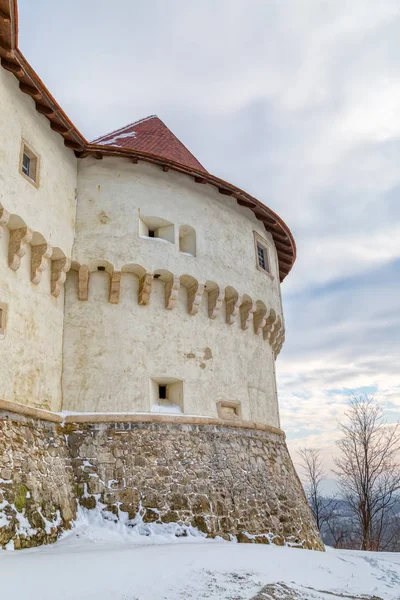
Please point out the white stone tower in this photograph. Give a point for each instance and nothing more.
(173, 300)
(140, 295)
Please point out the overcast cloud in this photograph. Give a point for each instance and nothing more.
(296, 101)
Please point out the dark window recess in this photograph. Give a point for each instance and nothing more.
(26, 165)
(101, 268)
(162, 392)
(151, 233)
(262, 258)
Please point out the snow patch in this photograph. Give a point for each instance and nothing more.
(113, 141)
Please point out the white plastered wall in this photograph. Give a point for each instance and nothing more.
(112, 351)
(114, 192)
(50, 208)
(31, 349)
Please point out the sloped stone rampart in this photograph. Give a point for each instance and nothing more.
(225, 481)
(37, 487)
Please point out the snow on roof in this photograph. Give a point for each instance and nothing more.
(153, 136)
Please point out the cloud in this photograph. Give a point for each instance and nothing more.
(296, 101)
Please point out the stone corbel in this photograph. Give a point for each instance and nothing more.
(145, 283)
(115, 286)
(259, 321)
(269, 325)
(39, 256)
(4, 218)
(215, 299)
(247, 308)
(275, 331)
(232, 308)
(277, 336)
(59, 270)
(279, 343)
(83, 283)
(17, 246)
(172, 286)
(194, 296)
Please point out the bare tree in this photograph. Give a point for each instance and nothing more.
(313, 475)
(369, 470)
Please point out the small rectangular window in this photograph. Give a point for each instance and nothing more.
(26, 164)
(263, 253)
(151, 233)
(262, 259)
(29, 166)
(162, 392)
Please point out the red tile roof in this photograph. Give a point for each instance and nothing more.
(153, 136)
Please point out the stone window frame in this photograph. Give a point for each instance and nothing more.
(3, 319)
(27, 149)
(268, 250)
(237, 410)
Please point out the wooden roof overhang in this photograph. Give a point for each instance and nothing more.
(14, 61)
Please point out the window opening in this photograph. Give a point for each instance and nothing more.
(101, 268)
(187, 240)
(29, 166)
(156, 228)
(26, 165)
(262, 259)
(166, 395)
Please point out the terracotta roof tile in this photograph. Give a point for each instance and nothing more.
(153, 136)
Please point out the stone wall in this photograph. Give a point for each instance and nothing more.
(225, 481)
(37, 490)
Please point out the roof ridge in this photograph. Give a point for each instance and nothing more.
(122, 129)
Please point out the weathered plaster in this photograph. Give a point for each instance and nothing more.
(224, 230)
(112, 351)
(121, 336)
(50, 207)
(31, 347)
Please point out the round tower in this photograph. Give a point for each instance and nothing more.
(173, 302)
(173, 322)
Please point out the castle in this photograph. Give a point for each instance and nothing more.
(140, 321)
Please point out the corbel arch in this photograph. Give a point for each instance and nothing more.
(171, 286)
(41, 252)
(60, 266)
(145, 281)
(195, 291)
(215, 296)
(269, 324)
(259, 317)
(20, 236)
(247, 309)
(232, 303)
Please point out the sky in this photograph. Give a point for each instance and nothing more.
(298, 103)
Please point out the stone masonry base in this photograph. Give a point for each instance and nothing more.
(225, 481)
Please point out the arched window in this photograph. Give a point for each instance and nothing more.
(187, 240)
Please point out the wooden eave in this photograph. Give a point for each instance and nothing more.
(14, 61)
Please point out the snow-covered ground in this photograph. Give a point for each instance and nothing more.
(104, 561)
